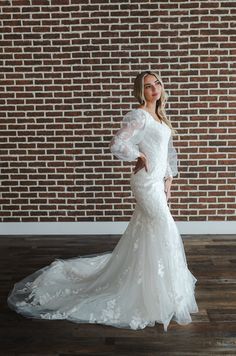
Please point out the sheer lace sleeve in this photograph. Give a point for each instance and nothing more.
(172, 160)
(124, 144)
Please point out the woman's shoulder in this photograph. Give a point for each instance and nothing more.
(136, 113)
(135, 118)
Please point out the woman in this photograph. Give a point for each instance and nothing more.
(145, 279)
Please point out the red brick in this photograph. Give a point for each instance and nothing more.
(66, 81)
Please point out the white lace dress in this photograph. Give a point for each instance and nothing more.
(145, 279)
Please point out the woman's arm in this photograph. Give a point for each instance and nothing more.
(171, 168)
(172, 160)
(124, 144)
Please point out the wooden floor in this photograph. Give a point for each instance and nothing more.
(211, 259)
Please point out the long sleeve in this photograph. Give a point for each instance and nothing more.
(172, 160)
(124, 144)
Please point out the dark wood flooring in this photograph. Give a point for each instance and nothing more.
(212, 259)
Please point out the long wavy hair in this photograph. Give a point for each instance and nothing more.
(160, 104)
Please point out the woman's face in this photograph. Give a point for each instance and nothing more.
(152, 88)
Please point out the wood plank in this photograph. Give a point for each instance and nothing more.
(213, 330)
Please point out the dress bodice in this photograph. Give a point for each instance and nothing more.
(140, 132)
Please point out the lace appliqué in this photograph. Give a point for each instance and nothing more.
(137, 321)
(110, 314)
(160, 268)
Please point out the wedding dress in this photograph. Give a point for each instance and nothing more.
(145, 279)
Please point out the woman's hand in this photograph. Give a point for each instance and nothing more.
(141, 162)
(168, 182)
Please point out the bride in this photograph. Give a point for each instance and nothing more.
(145, 279)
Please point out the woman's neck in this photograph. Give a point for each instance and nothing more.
(149, 107)
(152, 111)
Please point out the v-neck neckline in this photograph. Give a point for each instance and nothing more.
(151, 116)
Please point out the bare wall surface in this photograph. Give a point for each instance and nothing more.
(67, 69)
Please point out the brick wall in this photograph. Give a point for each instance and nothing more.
(67, 68)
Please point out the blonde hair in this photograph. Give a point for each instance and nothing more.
(160, 104)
